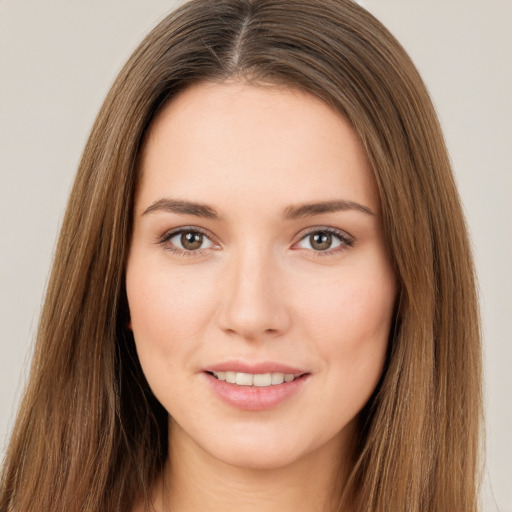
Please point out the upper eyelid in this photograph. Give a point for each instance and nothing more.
(167, 235)
(317, 229)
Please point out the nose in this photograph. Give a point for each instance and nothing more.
(253, 301)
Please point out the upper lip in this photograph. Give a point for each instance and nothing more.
(255, 368)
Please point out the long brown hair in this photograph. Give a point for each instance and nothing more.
(90, 436)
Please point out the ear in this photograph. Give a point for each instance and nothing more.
(129, 324)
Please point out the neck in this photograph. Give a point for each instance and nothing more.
(194, 480)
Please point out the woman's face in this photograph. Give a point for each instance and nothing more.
(258, 257)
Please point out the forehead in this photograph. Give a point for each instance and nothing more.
(216, 140)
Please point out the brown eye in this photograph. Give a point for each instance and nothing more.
(191, 240)
(325, 240)
(320, 241)
(188, 240)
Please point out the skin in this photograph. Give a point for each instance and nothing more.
(258, 289)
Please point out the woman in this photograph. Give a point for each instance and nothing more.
(263, 293)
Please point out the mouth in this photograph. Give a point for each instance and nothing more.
(255, 386)
(260, 380)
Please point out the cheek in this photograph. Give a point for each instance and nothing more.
(351, 318)
(169, 310)
(357, 307)
(166, 300)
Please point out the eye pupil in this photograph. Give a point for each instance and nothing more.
(191, 240)
(320, 241)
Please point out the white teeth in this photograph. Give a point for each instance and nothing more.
(277, 378)
(244, 379)
(259, 380)
(262, 380)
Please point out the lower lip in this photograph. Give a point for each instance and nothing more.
(254, 398)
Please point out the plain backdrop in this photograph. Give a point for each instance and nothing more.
(57, 61)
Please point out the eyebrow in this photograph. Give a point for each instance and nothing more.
(310, 209)
(184, 208)
(290, 213)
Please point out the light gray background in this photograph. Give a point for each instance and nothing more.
(57, 60)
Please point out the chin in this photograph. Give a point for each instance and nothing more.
(256, 456)
(269, 447)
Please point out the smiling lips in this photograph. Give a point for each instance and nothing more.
(258, 379)
(255, 387)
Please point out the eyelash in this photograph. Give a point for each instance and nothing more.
(166, 237)
(344, 239)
